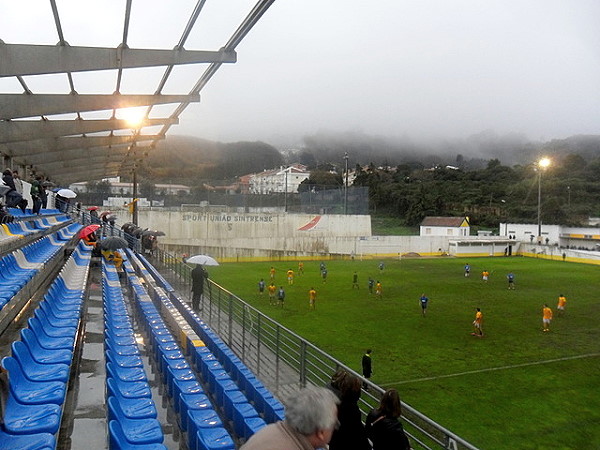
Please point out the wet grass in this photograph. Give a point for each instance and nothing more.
(502, 391)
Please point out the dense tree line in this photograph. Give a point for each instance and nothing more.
(570, 191)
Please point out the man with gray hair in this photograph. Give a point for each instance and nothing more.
(310, 418)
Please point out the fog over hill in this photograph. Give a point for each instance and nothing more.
(188, 158)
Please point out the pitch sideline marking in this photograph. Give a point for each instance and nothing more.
(491, 369)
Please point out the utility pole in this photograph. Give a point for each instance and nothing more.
(346, 184)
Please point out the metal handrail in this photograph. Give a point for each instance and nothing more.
(263, 344)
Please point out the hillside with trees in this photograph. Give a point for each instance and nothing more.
(487, 177)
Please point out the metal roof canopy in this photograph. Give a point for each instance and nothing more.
(31, 137)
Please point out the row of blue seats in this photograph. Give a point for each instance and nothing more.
(40, 363)
(196, 415)
(271, 409)
(20, 266)
(28, 213)
(132, 415)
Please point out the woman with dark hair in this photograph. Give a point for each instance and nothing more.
(351, 431)
(383, 424)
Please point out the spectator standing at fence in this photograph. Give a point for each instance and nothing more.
(310, 419)
(198, 277)
(351, 432)
(367, 367)
(383, 425)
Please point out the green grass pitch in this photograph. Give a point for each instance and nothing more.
(516, 387)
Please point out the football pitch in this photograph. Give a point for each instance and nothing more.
(517, 387)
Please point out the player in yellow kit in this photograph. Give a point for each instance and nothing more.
(546, 317)
(312, 297)
(290, 276)
(562, 301)
(478, 323)
(272, 289)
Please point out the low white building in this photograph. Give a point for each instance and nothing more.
(284, 179)
(117, 187)
(568, 237)
(445, 226)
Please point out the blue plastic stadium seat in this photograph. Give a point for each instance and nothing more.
(29, 392)
(36, 371)
(127, 389)
(28, 419)
(38, 441)
(43, 354)
(118, 441)
(213, 439)
(136, 430)
(187, 402)
(242, 412)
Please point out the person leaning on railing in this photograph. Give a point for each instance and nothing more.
(383, 424)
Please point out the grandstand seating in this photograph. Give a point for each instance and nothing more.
(216, 399)
(40, 363)
(265, 403)
(131, 411)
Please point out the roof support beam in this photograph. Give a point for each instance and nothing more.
(44, 146)
(23, 59)
(109, 153)
(28, 130)
(13, 106)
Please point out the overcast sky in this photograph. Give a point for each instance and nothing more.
(418, 68)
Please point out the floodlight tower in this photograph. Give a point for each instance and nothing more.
(542, 164)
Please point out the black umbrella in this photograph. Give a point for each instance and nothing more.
(153, 233)
(137, 232)
(113, 243)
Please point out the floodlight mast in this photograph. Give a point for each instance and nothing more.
(542, 164)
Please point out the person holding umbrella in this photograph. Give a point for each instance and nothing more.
(199, 275)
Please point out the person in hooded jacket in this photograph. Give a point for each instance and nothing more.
(351, 432)
(383, 425)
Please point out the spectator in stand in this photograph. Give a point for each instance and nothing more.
(13, 198)
(18, 182)
(35, 192)
(383, 425)
(44, 195)
(310, 419)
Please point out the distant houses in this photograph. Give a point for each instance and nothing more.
(445, 226)
(284, 179)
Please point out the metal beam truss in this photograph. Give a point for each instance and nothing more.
(34, 131)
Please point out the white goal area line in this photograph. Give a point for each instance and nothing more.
(491, 369)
